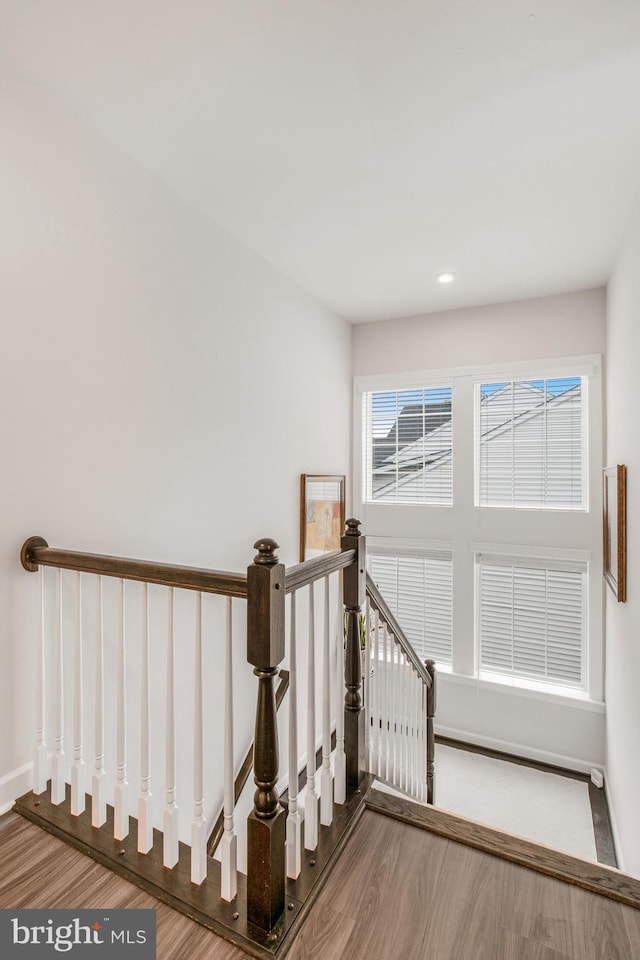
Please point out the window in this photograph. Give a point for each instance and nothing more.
(418, 592)
(504, 584)
(531, 618)
(407, 446)
(529, 444)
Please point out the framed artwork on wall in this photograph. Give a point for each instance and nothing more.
(322, 513)
(615, 529)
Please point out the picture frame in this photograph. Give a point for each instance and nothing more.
(615, 530)
(322, 513)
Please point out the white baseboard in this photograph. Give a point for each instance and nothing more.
(614, 829)
(13, 785)
(518, 750)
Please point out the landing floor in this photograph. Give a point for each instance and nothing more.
(398, 893)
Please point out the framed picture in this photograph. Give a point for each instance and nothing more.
(615, 530)
(321, 514)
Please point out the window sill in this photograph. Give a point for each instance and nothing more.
(516, 686)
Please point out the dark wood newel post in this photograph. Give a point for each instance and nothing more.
(354, 598)
(431, 739)
(266, 822)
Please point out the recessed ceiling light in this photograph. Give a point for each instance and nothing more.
(446, 277)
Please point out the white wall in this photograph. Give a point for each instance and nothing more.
(162, 387)
(560, 326)
(556, 729)
(623, 620)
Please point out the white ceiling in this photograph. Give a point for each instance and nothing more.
(362, 146)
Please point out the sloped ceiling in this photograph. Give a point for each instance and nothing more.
(364, 146)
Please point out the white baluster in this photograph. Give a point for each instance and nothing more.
(40, 753)
(293, 847)
(326, 777)
(121, 801)
(98, 797)
(170, 820)
(405, 721)
(229, 842)
(399, 744)
(399, 672)
(396, 714)
(419, 755)
(410, 686)
(311, 799)
(415, 687)
(392, 709)
(409, 734)
(375, 695)
(390, 705)
(418, 704)
(78, 766)
(385, 701)
(402, 736)
(423, 743)
(145, 812)
(367, 681)
(340, 759)
(401, 724)
(199, 825)
(58, 788)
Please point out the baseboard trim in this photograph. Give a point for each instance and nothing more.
(614, 827)
(595, 877)
(518, 750)
(14, 785)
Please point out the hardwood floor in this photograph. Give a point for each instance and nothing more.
(410, 895)
(38, 870)
(397, 893)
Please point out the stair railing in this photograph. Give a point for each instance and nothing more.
(217, 831)
(400, 694)
(282, 845)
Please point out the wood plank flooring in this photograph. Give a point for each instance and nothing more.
(397, 893)
(592, 876)
(38, 870)
(411, 895)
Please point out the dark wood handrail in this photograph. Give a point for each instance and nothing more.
(36, 552)
(398, 633)
(305, 573)
(218, 828)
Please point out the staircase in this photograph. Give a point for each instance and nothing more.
(131, 774)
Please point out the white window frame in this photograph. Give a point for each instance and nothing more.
(533, 531)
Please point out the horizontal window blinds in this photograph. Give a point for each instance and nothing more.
(418, 591)
(532, 619)
(407, 446)
(530, 444)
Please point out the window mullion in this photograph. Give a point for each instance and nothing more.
(513, 447)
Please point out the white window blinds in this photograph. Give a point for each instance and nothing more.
(418, 590)
(530, 444)
(532, 619)
(407, 446)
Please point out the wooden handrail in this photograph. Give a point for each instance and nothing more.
(398, 633)
(302, 574)
(36, 552)
(218, 828)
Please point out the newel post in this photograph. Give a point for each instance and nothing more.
(431, 739)
(266, 822)
(354, 599)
